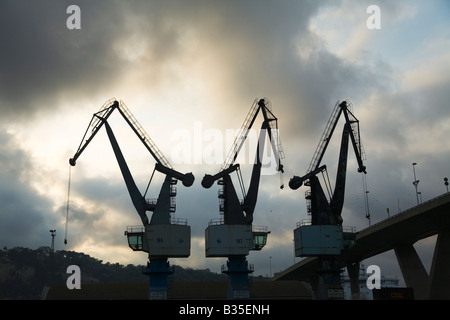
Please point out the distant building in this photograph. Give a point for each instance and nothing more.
(365, 292)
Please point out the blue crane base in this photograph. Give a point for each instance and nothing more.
(159, 272)
(329, 286)
(238, 282)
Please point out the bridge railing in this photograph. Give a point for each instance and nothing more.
(408, 210)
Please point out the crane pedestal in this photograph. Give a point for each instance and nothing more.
(235, 242)
(159, 271)
(238, 269)
(328, 285)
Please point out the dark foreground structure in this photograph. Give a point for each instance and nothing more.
(214, 290)
(399, 233)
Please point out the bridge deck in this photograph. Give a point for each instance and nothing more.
(409, 226)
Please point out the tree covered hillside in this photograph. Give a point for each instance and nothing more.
(25, 272)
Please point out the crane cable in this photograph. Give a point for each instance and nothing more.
(67, 206)
(366, 197)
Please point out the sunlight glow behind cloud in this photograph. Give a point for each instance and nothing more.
(176, 65)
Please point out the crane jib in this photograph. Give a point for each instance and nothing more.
(232, 207)
(99, 118)
(339, 109)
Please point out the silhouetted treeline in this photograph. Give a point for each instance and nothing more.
(25, 272)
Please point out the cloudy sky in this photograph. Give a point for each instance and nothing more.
(189, 71)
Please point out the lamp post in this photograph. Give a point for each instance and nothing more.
(53, 233)
(415, 182)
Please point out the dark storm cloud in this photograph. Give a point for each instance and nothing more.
(251, 48)
(258, 43)
(41, 59)
(25, 214)
(43, 62)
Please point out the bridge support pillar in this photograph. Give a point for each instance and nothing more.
(439, 273)
(413, 271)
(353, 273)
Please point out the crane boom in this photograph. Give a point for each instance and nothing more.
(353, 130)
(263, 105)
(322, 211)
(325, 139)
(242, 135)
(233, 209)
(162, 206)
(99, 118)
(339, 108)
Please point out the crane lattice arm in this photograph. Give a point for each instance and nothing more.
(232, 206)
(314, 166)
(339, 108)
(99, 118)
(322, 211)
(269, 117)
(162, 165)
(264, 106)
